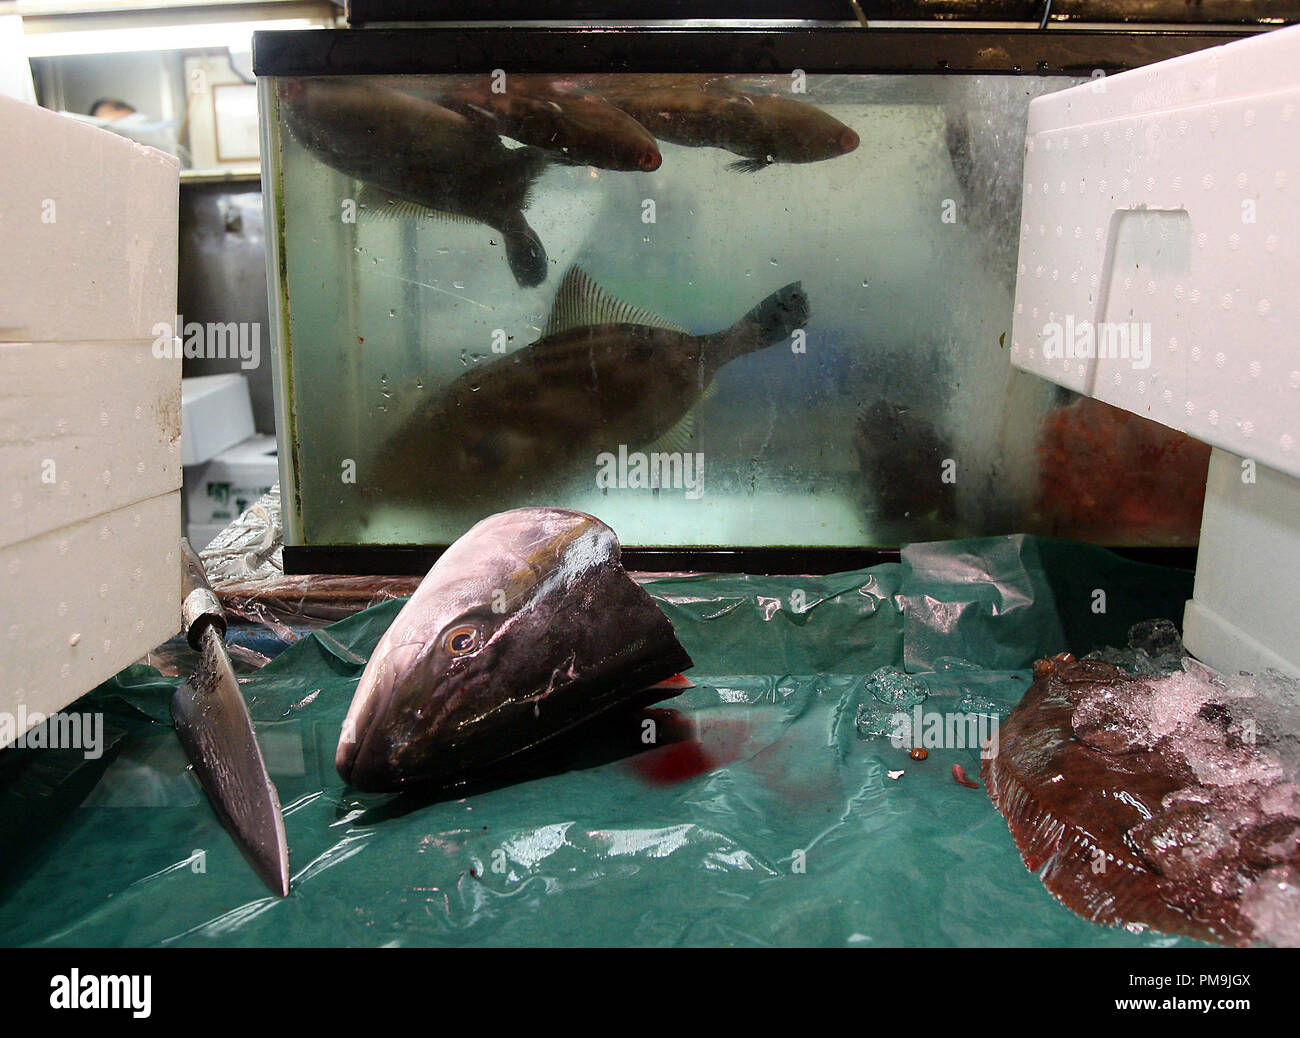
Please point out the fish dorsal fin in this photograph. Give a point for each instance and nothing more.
(375, 203)
(580, 303)
(677, 440)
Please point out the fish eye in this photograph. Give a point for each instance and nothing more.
(462, 639)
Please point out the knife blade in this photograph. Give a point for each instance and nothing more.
(212, 721)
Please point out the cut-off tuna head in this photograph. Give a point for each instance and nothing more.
(526, 627)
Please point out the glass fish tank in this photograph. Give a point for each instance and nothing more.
(731, 291)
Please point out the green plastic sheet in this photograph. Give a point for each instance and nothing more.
(777, 824)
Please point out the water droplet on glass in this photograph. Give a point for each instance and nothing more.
(392, 313)
(866, 283)
(646, 238)
(460, 285)
(773, 261)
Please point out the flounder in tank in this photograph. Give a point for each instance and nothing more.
(604, 375)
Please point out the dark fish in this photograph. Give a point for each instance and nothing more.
(957, 139)
(527, 627)
(604, 374)
(417, 152)
(582, 129)
(763, 128)
(902, 455)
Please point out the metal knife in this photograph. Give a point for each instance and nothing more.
(212, 721)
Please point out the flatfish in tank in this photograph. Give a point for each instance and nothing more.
(416, 152)
(527, 627)
(604, 375)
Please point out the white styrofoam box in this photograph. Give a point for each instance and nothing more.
(1168, 198)
(219, 491)
(85, 428)
(89, 224)
(85, 600)
(1242, 615)
(216, 413)
(15, 69)
(90, 471)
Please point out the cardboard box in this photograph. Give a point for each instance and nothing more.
(222, 489)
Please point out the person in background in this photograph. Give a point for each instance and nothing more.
(110, 109)
(116, 116)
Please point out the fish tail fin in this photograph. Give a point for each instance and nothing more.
(524, 249)
(534, 161)
(780, 314)
(525, 253)
(773, 321)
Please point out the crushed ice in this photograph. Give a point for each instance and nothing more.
(1235, 826)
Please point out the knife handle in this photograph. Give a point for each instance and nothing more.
(200, 607)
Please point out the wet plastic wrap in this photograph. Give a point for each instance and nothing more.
(773, 803)
(245, 567)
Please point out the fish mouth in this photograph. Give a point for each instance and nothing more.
(649, 161)
(361, 759)
(848, 140)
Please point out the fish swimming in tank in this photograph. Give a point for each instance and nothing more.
(420, 158)
(761, 128)
(902, 455)
(605, 374)
(525, 629)
(579, 128)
